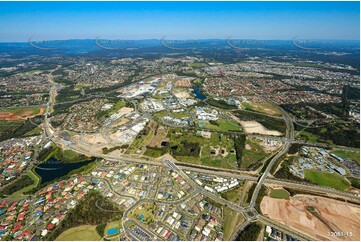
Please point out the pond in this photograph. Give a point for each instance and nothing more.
(198, 93)
(53, 168)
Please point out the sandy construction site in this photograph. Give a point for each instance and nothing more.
(183, 83)
(253, 127)
(180, 94)
(315, 216)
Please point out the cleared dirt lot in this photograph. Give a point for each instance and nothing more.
(161, 135)
(180, 94)
(315, 216)
(8, 116)
(253, 127)
(21, 114)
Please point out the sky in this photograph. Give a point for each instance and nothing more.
(179, 20)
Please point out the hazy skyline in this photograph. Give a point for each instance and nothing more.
(179, 20)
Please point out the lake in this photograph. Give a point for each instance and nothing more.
(53, 168)
(198, 93)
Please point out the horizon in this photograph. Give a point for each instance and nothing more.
(183, 39)
(191, 20)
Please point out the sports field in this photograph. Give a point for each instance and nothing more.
(83, 232)
(224, 125)
(233, 195)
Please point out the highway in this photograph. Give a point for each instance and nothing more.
(221, 172)
(249, 213)
(252, 213)
(284, 150)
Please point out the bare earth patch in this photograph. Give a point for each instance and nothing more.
(181, 94)
(125, 110)
(23, 114)
(253, 127)
(161, 135)
(8, 116)
(315, 216)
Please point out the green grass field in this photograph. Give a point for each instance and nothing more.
(279, 193)
(197, 65)
(153, 152)
(332, 180)
(309, 136)
(217, 163)
(198, 81)
(114, 224)
(224, 125)
(141, 141)
(205, 157)
(161, 114)
(65, 155)
(36, 131)
(69, 156)
(118, 105)
(103, 115)
(83, 233)
(19, 111)
(253, 155)
(80, 86)
(35, 71)
(233, 195)
(36, 180)
(170, 114)
(144, 214)
(84, 170)
(232, 220)
(349, 154)
(266, 108)
(6, 125)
